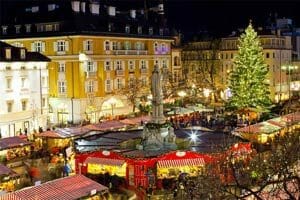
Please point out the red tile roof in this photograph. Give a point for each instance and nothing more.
(67, 188)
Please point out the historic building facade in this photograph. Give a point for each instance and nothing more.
(277, 50)
(24, 90)
(95, 51)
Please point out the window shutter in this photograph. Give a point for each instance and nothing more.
(146, 63)
(86, 86)
(84, 45)
(43, 46)
(96, 86)
(123, 65)
(85, 66)
(55, 46)
(115, 84)
(33, 46)
(67, 45)
(105, 86)
(123, 83)
(95, 66)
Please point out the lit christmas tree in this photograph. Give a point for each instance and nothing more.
(248, 79)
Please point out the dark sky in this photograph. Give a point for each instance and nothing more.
(224, 16)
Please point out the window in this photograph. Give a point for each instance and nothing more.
(150, 31)
(90, 86)
(90, 67)
(144, 81)
(161, 31)
(61, 67)
(127, 45)
(8, 83)
(9, 106)
(35, 9)
(44, 81)
(108, 85)
(110, 27)
(23, 82)
(138, 46)
(176, 61)
(163, 47)
(164, 63)
(4, 30)
(274, 55)
(88, 45)
(18, 44)
(106, 45)
(62, 87)
(38, 46)
(24, 105)
(23, 68)
(61, 46)
(267, 55)
(156, 46)
(51, 7)
(139, 30)
(22, 53)
(119, 83)
(40, 27)
(143, 64)
(131, 82)
(127, 29)
(118, 65)
(114, 45)
(131, 65)
(18, 28)
(8, 53)
(107, 65)
(231, 55)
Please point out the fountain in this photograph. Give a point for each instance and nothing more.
(158, 134)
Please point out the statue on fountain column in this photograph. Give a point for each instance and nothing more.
(157, 96)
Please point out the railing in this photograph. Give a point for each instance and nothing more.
(130, 52)
(144, 71)
(91, 74)
(120, 72)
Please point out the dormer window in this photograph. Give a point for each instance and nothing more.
(139, 30)
(8, 53)
(4, 30)
(111, 11)
(18, 28)
(110, 27)
(28, 28)
(22, 54)
(161, 31)
(150, 30)
(127, 29)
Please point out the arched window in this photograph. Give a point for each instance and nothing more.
(176, 61)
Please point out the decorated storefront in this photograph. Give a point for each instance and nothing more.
(14, 148)
(265, 132)
(141, 172)
(173, 164)
(8, 179)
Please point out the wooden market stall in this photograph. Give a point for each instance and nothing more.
(265, 132)
(71, 187)
(8, 179)
(14, 149)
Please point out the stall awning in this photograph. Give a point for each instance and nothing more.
(104, 161)
(180, 163)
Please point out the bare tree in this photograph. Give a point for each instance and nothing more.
(133, 91)
(201, 65)
(272, 174)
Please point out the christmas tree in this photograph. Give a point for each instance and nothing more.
(248, 79)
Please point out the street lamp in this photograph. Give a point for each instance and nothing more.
(112, 101)
(182, 94)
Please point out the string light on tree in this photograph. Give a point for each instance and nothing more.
(248, 80)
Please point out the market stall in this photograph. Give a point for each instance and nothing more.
(173, 164)
(71, 187)
(8, 179)
(13, 149)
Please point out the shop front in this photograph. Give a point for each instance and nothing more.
(8, 179)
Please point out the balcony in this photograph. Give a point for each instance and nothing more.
(130, 52)
(144, 71)
(91, 74)
(120, 72)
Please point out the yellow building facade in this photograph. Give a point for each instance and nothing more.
(86, 71)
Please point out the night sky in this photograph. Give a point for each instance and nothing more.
(218, 17)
